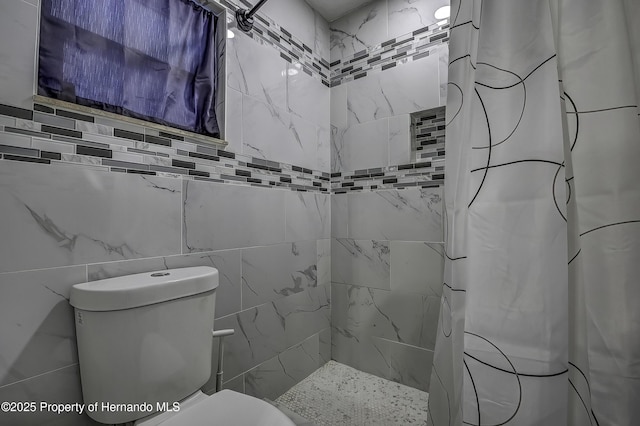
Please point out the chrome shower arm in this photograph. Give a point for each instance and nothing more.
(256, 7)
(245, 17)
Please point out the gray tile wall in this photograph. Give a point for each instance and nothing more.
(387, 268)
(370, 115)
(59, 232)
(69, 216)
(377, 22)
(84, 200)
(388, 63)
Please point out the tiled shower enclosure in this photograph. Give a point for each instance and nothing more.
(327, 235)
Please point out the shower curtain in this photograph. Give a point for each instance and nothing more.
(540, 314)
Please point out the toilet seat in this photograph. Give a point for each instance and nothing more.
(225, 408)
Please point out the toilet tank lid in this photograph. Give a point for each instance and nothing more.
(131, 291)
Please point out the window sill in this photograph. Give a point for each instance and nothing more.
(96, 112)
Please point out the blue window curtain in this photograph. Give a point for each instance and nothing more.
(149, 59)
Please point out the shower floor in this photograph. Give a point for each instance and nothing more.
(338, 395)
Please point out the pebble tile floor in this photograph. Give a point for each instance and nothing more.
(338, 395)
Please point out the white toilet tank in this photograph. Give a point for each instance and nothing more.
(144, 339)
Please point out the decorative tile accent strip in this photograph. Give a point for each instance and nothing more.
(143, 152)
(399, 50)
(427, 160)
(424, 175)
(427, 134)
(292, 50)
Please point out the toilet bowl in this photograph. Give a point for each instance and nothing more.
(225, 408)
(145, 340)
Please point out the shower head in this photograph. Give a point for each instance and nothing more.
(244, 17)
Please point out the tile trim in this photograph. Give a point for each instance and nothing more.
(425, 169)
(119, 150)
(400, 50)
(45, 104)
(266, 31)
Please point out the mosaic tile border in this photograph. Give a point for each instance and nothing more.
(399, 50)
(425, 174)
(396, 51)
(45, 134)
(49, 135)
(291, 49)
(425, 170)
(427, 134)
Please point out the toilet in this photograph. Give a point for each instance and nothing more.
(144, 349)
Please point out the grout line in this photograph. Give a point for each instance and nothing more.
(241, 278)
(43, 269)
(283, 351)
(267, 303)
(403, 344)
(38, 375)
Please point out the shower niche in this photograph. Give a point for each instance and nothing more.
(428, 137)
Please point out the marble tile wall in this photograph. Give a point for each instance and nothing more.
(282, 106)
(277, 375)
(386, 202)
(384, 34)
(378, 21)
(105, 144)
(426, 132)
(276, 112)
(370, 116)
(387, 268)
(293, 29)
(279, 121)
(388, 61)
(275, 293)
(370, 111)
(298, 18)
(86, 198)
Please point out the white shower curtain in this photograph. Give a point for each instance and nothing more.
(540, 315)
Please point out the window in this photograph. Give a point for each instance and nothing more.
(154, 60)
